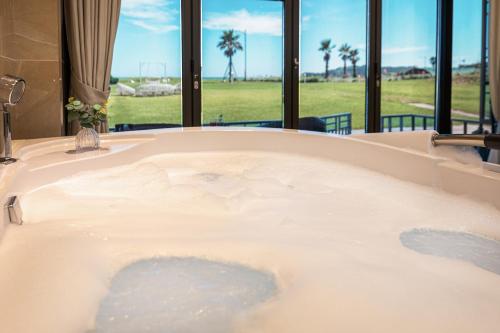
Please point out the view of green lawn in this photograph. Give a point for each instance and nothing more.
(252, 100)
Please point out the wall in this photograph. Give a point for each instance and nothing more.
(30, 47)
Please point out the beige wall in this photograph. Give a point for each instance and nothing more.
(30, 47)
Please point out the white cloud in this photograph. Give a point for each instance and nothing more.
(242, 20)
(152, 15)
(409, 49)
(154, 28)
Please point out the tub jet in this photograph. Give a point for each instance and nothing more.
(14, 210)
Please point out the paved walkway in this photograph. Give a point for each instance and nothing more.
(454, 112)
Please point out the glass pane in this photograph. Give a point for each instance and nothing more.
(408, 64)
(146, 83)
(242, 63)
(467, 31)
(333, 65)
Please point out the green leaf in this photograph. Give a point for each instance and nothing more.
(69, 107)
(77, 103)
(73, 116)
(84, 115)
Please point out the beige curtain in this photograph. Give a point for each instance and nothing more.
(91, 30)
(494, 64)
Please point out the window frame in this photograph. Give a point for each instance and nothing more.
(191, 64)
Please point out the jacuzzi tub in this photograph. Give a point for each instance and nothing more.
(330, 218)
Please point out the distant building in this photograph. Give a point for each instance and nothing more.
(157, 89)
(417, 71)
(124, 90)
(149, 89)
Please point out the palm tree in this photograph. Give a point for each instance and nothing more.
(344, 53)
(433, 61)
(230, 45)
(327, 48)
(353, 56)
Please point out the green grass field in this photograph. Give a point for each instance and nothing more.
(250, 101)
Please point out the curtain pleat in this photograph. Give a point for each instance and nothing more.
(91, 27)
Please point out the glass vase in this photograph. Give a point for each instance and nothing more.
(87, 139)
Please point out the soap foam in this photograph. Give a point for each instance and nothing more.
(329, 232)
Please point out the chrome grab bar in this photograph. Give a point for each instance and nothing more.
(491, 141)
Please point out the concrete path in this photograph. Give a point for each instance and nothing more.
(454, 112)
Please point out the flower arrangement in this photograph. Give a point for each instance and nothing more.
(89, 116)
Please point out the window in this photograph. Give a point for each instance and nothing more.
(263, 65)
(333, 64)
(242, 63)
(146, 72)
(408, 64)
(467, 66)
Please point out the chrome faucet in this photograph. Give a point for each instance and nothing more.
(11, 91)
(490, 141)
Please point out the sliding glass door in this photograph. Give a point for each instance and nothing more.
(333, 65)
(408, 64)
(468, 111)
(297, 64)
(146, 72)
(242, 63)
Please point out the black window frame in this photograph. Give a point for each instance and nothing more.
(192, 80)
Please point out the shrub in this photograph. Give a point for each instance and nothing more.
(313, 79)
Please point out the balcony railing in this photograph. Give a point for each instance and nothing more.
(412, 122)
(340, 124)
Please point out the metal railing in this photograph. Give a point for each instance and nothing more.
(257, 123)
(340, 123)
(465, 123)
(405, 122)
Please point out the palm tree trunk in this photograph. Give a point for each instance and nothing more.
(230, 69)
(354, 70)
(326, 69)
(345, 68)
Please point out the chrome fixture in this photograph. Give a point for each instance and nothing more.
(491, 141)
(14, 210)
(11, 91)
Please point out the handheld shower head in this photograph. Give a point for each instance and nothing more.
(11, 89)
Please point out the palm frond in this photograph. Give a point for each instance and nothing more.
(229, 43)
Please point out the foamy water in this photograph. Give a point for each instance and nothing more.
(329, 232)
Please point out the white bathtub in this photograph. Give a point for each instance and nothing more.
(341, 276)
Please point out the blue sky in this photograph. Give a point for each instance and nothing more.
(149, 32)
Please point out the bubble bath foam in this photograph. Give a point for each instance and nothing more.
(327, 233)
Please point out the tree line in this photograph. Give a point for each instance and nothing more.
(346, 53)
(229, 44)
